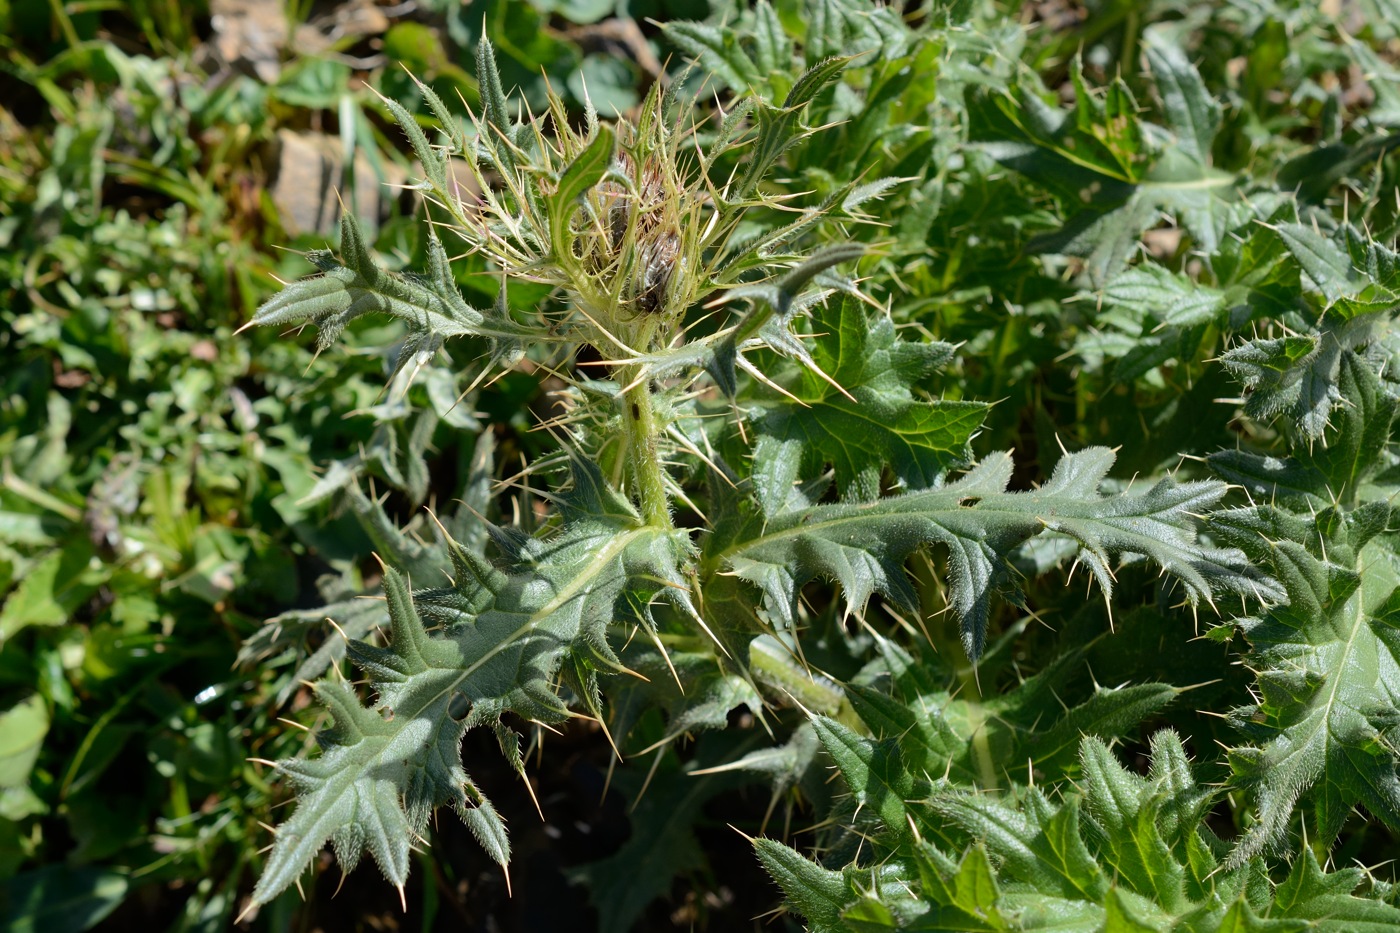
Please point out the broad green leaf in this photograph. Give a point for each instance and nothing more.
(585, 171)
(22, 730)
(1194, 116)
(1109, 230)
(772, 47)
(1086, 140)
(929, 741)
(1146, 316)
(55, 587)
(1328, 267)
(1110, 172)
(1107, 713)
(857, 410)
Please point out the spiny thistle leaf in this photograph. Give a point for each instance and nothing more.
(1147, 316)
(1327, 662)
(1333, 469)
(1120, 852)
(993, 740)
(818, 894)
(1297, 375)
(863, 546)
(772, 47)
(501, 130)
(506, 633)
(357, 617)
(377, 780)
(780, 127)
(717, 50)
(431, 305)
(874, 771)
(1105, 149)
(1354, 283)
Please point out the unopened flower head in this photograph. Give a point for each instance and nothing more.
(612, 215)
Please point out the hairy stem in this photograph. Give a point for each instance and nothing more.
(774, 667)
(977, 724)
(639, 421)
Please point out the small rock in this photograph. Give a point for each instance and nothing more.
(250, 34)
(349, 21)
(310, 173)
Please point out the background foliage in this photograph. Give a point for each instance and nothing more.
(1162, 228)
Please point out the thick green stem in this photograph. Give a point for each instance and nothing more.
(977, 723)
(639, 422)
(774, 667)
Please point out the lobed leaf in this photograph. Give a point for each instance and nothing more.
(1102, 859)
(505, 634)
(855, 409)
(431, 306)
(863, 546)
(1327, 661)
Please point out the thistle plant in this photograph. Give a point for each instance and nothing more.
(721, 363)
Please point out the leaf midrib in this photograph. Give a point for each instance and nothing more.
(1358, 620)
(591, 570)
(982, 507)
